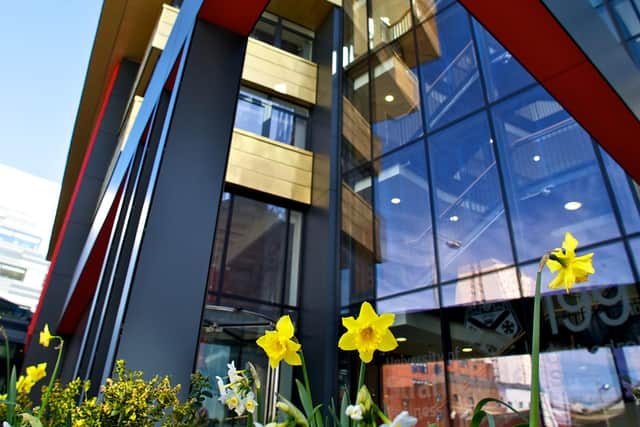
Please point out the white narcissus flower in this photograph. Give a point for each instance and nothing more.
(233, 372)
(5, 424)
(221, 389)
(403, 419)
(354, 412)
(250, 402)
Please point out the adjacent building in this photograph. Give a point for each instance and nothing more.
(233, 162)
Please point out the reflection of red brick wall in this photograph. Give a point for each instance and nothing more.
(417, 388)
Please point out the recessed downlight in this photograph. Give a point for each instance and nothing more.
(573, 205)
(401, 339)
(389, 98)
(466, 349)
(454, 218)
(395, 200)
(536, 158)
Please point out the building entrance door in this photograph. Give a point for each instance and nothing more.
(230, 334)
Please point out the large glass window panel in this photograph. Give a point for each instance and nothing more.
(250, 114)
(451, 82)
(610, 262)
(470, 217)
(495, 286)
(396, 95)
(356, 125)
(218, 248)
(425, 9)
(507, 378)
(296, 43)
(553, 181)
(265, 30)
(407, 303)
(293, 258)
(502, 73)
(413, 375)
(256, 250)
(626, 17)
(624, 192)
(354, 43)
(389, 20)
(274, 119)
(403, 229)
(635, 250)
(357, 241)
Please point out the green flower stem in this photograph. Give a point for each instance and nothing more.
(6, 352)
(534, 411)
(53, 378)
(381, 414)
(305, 374)
(361, 376)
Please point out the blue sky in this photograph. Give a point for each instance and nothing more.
(45, 51)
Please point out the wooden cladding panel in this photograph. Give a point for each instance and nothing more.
(270, 167)
(356, 129)
(280, 72)
(357, 218)
(164, 26)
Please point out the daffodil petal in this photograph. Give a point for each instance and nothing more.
(285, 326)
(347, 342)
(367, 313)
(388, 341)
(366, 355)
(293, 359)
(385, 320)
(558, 281)
(570, 244)
(569, 279)
(553, 265)
(349, 322)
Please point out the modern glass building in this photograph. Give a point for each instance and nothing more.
(231, 164)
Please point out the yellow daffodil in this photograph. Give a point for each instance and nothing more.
(368, 333)
(36, 373)
(571, 268)
(24, 384)
(45, 336)
(279, 344)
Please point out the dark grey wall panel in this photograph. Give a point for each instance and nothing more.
(319, 269)
(162, 321)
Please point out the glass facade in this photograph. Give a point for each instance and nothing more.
(285, 35)
(272, 118)
(253, 279)
(459, 172)
(622, 18)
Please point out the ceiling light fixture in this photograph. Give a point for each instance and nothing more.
(572, 206)
(454, 218)
(536, 158)
(401, 339)
(389, 98)
(395, 200)
(466, 349)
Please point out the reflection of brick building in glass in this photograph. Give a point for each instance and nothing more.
(417, 388)
(469, 382)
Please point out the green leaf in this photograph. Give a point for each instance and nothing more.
(67, 421)
(484, 401)
(344, 420)
(305, 399)
(11, 397)
(33, 421)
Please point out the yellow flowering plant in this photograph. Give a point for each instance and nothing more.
(367, 333)
(570, 269)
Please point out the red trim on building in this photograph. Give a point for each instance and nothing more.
(532, 34)
(88, 280)
(72, 200)
(237, 16)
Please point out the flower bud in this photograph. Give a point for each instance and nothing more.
(364, 399)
